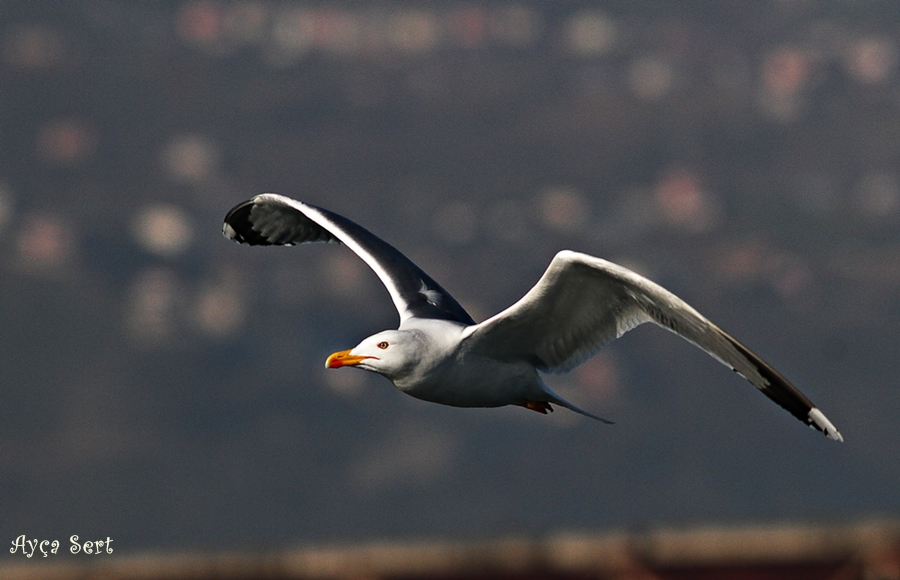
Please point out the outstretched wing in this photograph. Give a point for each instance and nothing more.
(581, 303)
(271, 219)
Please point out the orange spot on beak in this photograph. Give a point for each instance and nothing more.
(344, 359)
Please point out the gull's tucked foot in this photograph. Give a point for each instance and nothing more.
(542, 407)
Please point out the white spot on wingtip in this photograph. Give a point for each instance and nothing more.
(818, 420)
(433, 297)
(228, 231)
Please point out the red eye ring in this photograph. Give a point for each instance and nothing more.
(383, 344)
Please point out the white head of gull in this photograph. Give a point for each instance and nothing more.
(440, 354)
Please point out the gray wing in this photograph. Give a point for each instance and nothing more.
(271, 219)
(581, 303)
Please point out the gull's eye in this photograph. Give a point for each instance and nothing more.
(383, 344)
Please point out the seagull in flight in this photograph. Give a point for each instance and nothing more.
(440, 354)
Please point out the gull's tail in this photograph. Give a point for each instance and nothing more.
(554, 398)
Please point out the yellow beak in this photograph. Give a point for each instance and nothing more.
(344, 359)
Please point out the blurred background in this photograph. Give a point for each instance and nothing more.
(165, 387)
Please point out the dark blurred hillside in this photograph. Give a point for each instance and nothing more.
(860, 551)
(163, 386)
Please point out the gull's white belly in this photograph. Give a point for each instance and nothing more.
(474, 381)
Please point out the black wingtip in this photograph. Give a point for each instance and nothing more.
(780, 390)
(238, 227)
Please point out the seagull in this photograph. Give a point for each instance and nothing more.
(440, 354)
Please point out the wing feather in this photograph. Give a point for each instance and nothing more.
(581, 303)
(271, 219)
